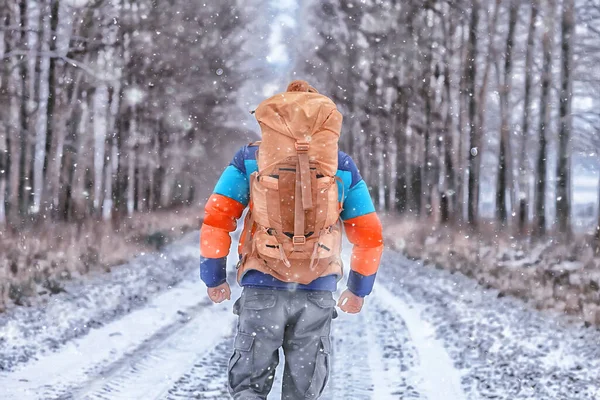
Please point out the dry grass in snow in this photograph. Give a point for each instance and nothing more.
(550, 274)
(35, 260)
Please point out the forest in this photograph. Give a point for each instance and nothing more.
(476, 125)
(471, 112)
(106, 106)
(481, 116)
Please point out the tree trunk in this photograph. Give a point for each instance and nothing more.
(23, 143)
(51, 147)
(3, 166)
(59, 168)
(563, 178)
(380, 156)
(120, 189)
(40, 154)
(12, 143)
(416, 186)
(3, 172)
(428, 160)
(11, 72)
(598, 224)
(547, 42)
(113, 152)
(100, 106)
(131, 162)
(505, 168)
(363, 154)
(163, 184)
(5, 127)
(474, 138)
(482, 96)
(393, 161)
(79, 196)
(449, 197)
(462, 142)
(138, 187)
(523, 162)
(403, 161)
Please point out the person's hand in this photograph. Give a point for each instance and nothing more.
(220, 293)
(350, 303)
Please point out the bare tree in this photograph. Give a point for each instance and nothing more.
(523, 161)
(563, 181)
(449, 199)
(41, 126)
(549, 7)
(505, 168)
(5, 127)
(22, 171)
(475, 138)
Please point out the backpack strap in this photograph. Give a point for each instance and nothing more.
(303, 195)
(299, 240)
(246, 243)
(304, 167)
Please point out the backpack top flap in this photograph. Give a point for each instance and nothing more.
(291, 117)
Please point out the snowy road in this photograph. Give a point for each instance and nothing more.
(424, 334)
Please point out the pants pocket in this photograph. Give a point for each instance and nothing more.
(256, 300)
(321, 373)
(241, 362)
(236, 306)
(324, 301)
(321, 299)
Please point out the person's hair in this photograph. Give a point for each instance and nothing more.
(300, 86)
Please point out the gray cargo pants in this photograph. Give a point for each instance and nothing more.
(300, 322)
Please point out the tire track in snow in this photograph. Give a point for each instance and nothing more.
(81, 359)
(350, 377)
(394, 359)
(162, 363)
(372, 356)
(208, 377)
(436, 375)
(124, 344)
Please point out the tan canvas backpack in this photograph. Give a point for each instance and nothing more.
(292, 231)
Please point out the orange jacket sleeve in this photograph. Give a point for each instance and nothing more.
(224, 207)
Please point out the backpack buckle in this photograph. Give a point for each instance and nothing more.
(299, 240)
(302, 147)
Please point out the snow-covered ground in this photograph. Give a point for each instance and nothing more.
(147, 331)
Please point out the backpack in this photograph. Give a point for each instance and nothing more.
(292, 230)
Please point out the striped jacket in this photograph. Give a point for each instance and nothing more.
(231, 196)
